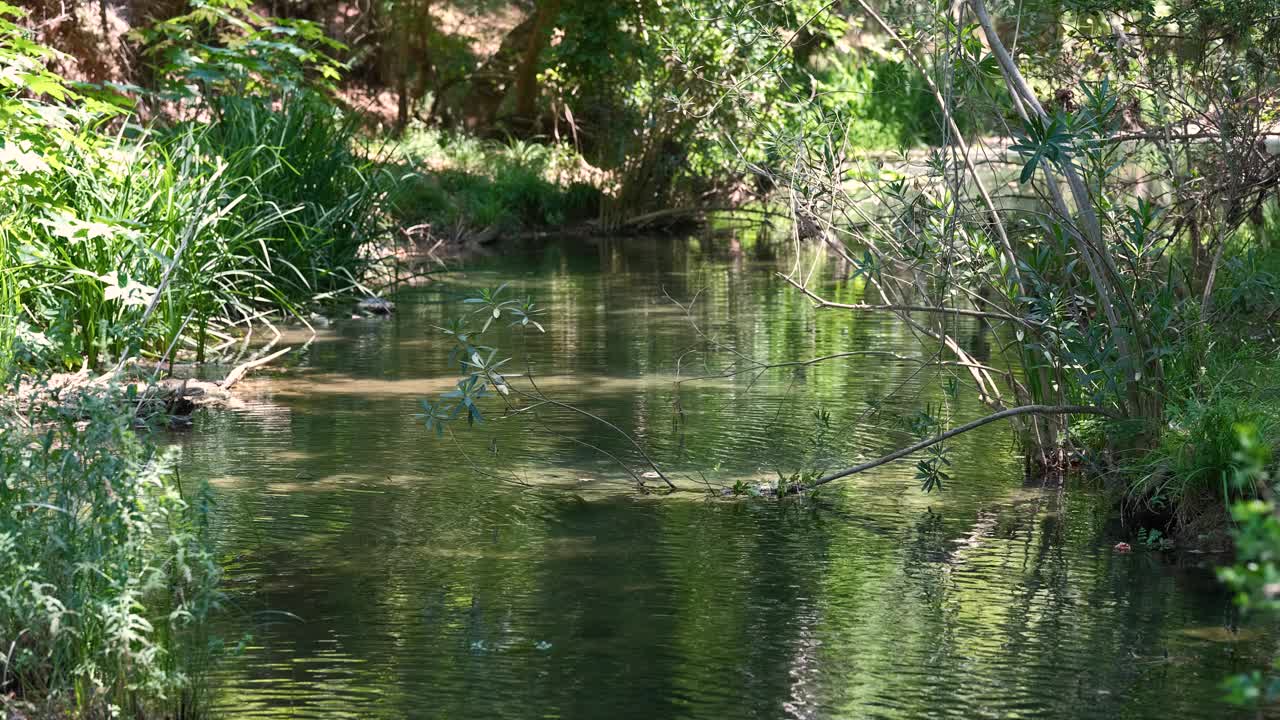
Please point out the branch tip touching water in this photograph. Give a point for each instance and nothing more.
(973, 425)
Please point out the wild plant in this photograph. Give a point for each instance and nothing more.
(1255, 576)
(139, 241)
(106, 571)
(486, 375)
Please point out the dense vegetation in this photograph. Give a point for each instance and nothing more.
(1096, 182)
(106, 578)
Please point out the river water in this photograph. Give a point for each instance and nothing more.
(509, 571)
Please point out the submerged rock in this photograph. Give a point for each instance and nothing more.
(376, 306)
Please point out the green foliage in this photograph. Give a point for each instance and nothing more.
(1043, 141)
(661, 87)
(1255, 577)
(1191, 470)
(49, 139)
(931, 470)
(301, 175)
(455, 181)
(881, 102)
(132, 241)
(106, 574)
(480, 365)
(226, 48)
(1217, 380)
(1154, 539)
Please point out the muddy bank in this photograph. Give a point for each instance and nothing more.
(149, 399)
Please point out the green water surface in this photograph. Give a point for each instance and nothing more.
(513, 572)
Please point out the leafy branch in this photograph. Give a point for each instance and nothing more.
(483, 375)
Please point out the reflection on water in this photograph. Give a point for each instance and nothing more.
(381, 576)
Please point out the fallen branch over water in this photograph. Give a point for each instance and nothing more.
(822, 302)
(237, 374)
(1011, 412)
(672, 216)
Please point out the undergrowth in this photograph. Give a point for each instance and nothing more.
(1224, 376)
(119, 239)
(458, 183)
(106, 574)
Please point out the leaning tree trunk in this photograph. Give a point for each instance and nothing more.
(1141, 402)
(491, 81)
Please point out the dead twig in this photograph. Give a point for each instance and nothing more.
(238, 373)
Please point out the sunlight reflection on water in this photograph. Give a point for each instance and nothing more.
(382, 577)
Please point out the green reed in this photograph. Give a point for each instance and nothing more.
(145, 238)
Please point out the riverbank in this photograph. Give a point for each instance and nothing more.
(457, 196)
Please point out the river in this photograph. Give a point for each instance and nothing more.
(377, 571)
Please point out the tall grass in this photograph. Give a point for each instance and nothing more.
(143, 239)
(106, 574)
(9, 309)
(298, 169)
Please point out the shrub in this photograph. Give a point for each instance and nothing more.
(137, 241)
(463, 182)
(106, 576)
(263, 210)
(1188, 477)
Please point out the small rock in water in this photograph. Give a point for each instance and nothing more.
(318, 320)
(376, 306)
(542, 645)
(651, 475)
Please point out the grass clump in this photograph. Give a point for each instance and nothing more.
(1186, 481)
(106, 574)
(146, 240)
(298, 169)
(117, 240)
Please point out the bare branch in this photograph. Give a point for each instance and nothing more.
(824, 303)
(1003, 414)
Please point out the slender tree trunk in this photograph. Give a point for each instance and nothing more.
(402, 99)
(1086, 229)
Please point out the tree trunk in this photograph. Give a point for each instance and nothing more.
(527, 72)
(402, 98)
(490, 82)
